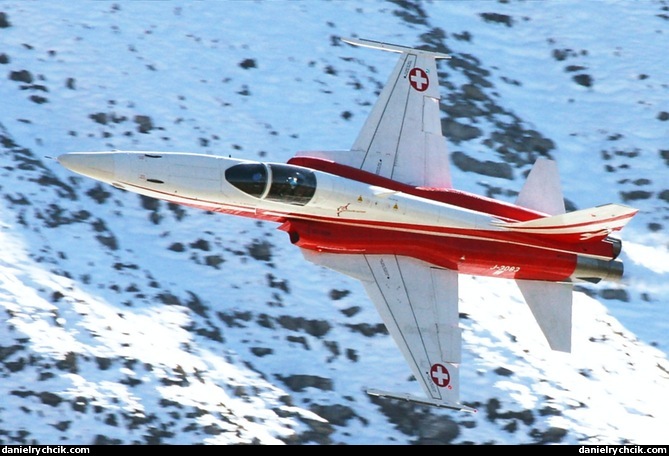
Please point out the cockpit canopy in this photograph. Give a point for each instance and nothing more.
(281, 183)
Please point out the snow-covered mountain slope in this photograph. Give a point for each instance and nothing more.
(127, 320)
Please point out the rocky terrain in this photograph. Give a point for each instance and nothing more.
(131, 321)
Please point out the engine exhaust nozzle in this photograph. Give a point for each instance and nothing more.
(595, 270)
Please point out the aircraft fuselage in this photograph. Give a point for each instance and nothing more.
(328, 207)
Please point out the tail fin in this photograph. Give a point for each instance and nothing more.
(542, 191)
(550, 304)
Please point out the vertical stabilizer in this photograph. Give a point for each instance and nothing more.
(542, 191)
(550, 304)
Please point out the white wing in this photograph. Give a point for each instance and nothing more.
(419, 306)
(402, 138)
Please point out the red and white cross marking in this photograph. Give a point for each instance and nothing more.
(439, 375)
(418, 79)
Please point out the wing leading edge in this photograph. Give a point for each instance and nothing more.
(418, 304)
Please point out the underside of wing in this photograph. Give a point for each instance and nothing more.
(419, 307)
(402, 138)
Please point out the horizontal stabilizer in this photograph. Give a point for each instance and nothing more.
(421, 400)
(594, 222)
(550, 304)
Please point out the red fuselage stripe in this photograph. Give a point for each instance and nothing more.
(465, 255)
(450, 196)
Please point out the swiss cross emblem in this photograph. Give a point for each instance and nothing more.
(439, 375)
(418, 79)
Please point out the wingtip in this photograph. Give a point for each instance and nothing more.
(373, 44)
(421, 400)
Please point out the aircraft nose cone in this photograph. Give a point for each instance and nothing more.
(98, 165)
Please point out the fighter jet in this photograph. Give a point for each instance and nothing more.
(386, 213)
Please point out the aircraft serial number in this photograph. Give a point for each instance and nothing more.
(501, 269)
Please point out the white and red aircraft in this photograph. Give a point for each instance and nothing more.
(385, 212)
